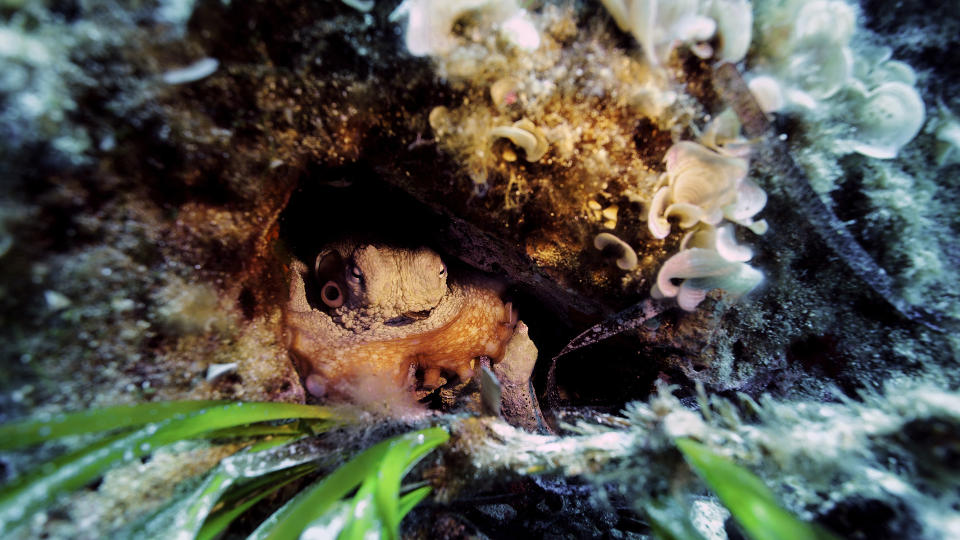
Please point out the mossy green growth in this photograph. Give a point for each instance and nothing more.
(751, 503)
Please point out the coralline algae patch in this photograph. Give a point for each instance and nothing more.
(554, 114)
(564, 105)
(553, 117)
(855, 466)
(870, 133)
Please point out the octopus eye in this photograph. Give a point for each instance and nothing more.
(331, 294)
(355, 273)
(443, 269)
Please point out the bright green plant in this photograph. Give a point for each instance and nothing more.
(749, 501)
(377, 506)
(670, 521)
(237, 483)
(159, 425)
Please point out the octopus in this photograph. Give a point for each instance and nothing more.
(376, 312)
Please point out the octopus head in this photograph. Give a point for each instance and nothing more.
(393, 284)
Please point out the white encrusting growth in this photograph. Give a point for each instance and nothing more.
(704, 188)
(703, 270)
(806, 62)
(215, 371)
(885, 119)
(430, 23)
(660, 25)
(700, 186)
(200, 69)
(627, 259)
(521, 32)
(363, 6)
(526, 135)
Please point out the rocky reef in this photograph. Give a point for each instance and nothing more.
(747, 212)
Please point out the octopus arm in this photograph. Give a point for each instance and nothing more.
(482, 327)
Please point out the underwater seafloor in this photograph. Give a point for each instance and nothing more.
(722, 222)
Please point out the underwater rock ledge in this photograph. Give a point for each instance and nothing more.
(164, 164)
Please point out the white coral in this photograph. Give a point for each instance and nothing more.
(430, 22)
(750, 199)
(703, 188)
(720, 239)
(808, 63)
(811, 60)
(701, 185)
(734, 26)
(885, 119)
(525, 135)
(722, 134)
(709, 258)
(703, 270)
(660, 25)
(767, 92)
(627, 259)
(946, 129)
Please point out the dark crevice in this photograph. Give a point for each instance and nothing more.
(333, 203)
(248, 303)
(352, 201)
(861, 518)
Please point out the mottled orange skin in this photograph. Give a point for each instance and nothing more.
(471, 321)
